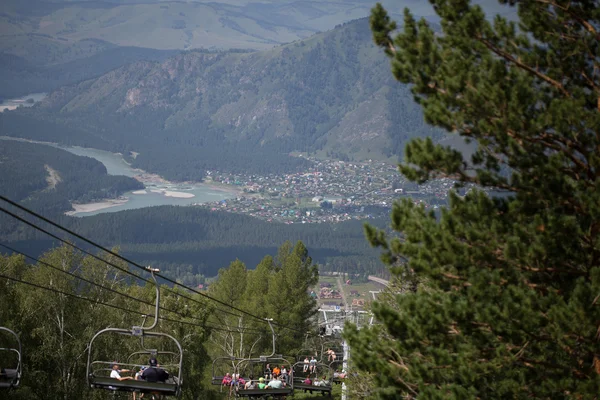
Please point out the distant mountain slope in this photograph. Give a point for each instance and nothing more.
(331, 94)
(40, 40)
(218, 24)
(179, 25)
(36, 63)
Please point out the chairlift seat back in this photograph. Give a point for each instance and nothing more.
(264, 392)
(311, 388)
(9, 378)
(168, 388)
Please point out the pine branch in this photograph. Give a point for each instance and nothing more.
(509, 57)
(589, 27)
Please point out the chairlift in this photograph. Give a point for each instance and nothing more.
(98, 371)
(299, 380)
(305, 353)
(11, 377)
(218, 373)
(263, 360)
(333, 345)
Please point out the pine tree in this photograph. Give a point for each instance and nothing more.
(505, 287)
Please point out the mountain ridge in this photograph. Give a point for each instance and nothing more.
(327, 94)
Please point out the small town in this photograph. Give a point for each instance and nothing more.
(333, 191)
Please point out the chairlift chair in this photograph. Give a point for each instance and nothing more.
(217, 371)
(10, 378)
(299, 380)
(98, 371)
(270, 392)
(305, 353)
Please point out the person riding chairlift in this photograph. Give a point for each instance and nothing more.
(154, 373)
(116, 373)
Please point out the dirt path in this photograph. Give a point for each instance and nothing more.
(342, 291)
(53, 177)
(379, 280)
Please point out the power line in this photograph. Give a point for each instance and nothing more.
(137, 300)
(124, 258)
(10, 278)
(31, 224)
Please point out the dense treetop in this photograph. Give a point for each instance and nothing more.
(502, 292)
(55, 314)
(190, 243)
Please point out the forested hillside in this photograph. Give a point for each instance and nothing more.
(33, 63)
(190, 243)
(48, 179)
(58, 303)
(326, 95)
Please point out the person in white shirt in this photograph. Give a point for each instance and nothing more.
(305, 364)
(313, 365)
(275, 384)
(116, 373)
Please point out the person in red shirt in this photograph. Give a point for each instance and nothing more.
(226, 380)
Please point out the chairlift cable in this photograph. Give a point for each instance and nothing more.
(100, 258)
(31, 212)
(10, 278)
(107, 288)
(121, 293)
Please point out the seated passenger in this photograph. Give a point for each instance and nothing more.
(276, 371)
(138, 377)
(116, 373)
(275, 384)
(330, 354)
(251, 384)
(313, 365)
(154, 373)
(305, 369)
(322, 382)
(307, 381)
(227, 379)
(261, 383)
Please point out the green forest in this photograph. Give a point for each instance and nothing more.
(53, 63)
(58, 303)
(48, 179)
(191, 243)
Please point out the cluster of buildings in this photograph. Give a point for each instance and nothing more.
(332, 191)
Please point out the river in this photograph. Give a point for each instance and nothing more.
(12, 104)
(157, 192)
